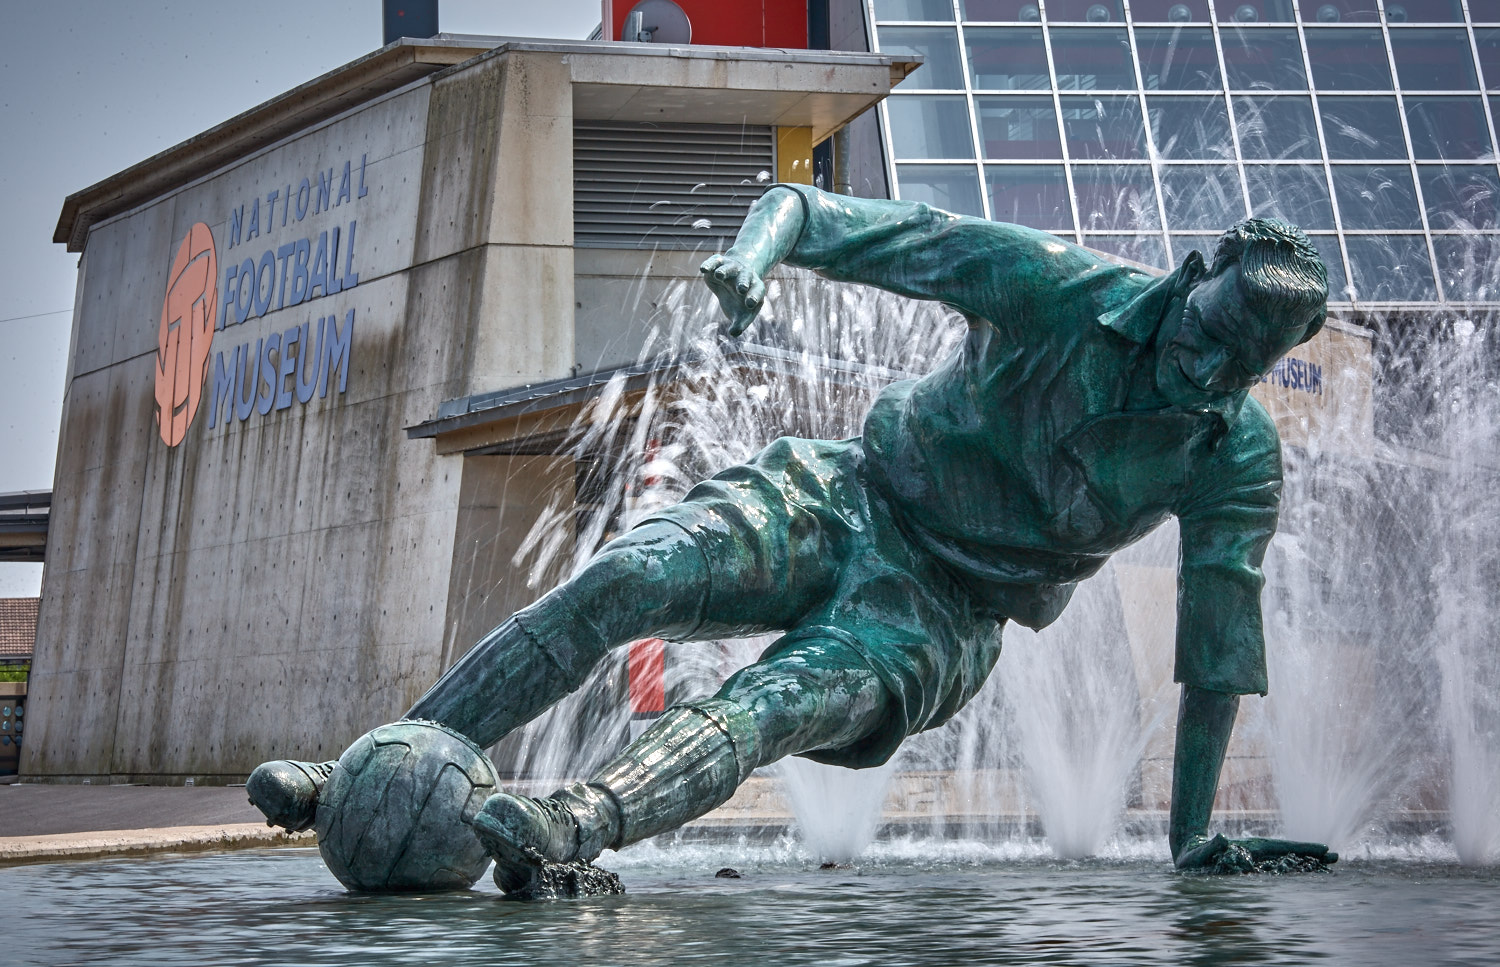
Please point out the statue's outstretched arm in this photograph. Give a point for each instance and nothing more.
(979, 267)
(770, 232)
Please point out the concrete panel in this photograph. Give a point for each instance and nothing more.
(321, 633)
(73, 689)
(121, 303)
(458, 170)
(616, 294)
(524, 332)
(533, 200)
(443, 305)
(501, 499)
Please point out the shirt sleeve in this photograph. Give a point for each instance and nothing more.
(1226, 524)
(989, 269)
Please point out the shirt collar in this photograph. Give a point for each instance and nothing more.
(1140, 318)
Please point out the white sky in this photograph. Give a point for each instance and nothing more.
(89, 87)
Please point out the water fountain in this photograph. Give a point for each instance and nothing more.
(1379, 681)
(1398, 689)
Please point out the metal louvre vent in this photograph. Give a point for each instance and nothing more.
(676, 186)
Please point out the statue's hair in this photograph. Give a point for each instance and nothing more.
(1279, 268)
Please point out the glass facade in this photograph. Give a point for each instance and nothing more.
(1143, 128)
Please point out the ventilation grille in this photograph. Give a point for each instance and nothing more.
(677, 186)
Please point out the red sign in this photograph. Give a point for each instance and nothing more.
(187, 333)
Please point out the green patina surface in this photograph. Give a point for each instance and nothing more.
(1089, 403)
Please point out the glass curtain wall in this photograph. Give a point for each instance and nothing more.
(1144, 128)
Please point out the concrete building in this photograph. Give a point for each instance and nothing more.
(248, 557)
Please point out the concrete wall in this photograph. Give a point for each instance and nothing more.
(275, 586)
(276, 579)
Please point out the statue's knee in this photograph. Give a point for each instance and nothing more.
(654, 576)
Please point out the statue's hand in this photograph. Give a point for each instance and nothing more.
(740, 289)
(1219, 852)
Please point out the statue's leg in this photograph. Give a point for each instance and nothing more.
(820, 695)
(651, 581)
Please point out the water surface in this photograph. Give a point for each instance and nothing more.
(282, 907)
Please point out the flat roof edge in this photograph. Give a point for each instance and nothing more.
(507, 404)
(363, 79)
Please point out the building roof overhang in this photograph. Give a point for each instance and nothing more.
(544, 418)
(823, 90)
(24, 517)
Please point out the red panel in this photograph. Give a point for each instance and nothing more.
(733, 23)
(647, 666)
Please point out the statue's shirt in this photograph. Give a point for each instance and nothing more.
(1018, 460)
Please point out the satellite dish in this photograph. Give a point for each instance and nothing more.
(657, 22)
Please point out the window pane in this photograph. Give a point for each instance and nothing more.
(1263, 60)
(1333, 260)
(1293, 193)
(1433, 60)
(1485, 11)
(1201, 197)
(1018, 127)
(1256, 11)
(1145, 249)
(1190, 128)
(1105, 126)
(1338, 11)
(1392, 268)
(1358, 128)
(1488, 42)
(953, 188)
(1034, 195)
(913, 10)
(930, 126)
(1202, 244)
(1169, 11)
(1451, 128)
(1115, 197)
(1085, 11)
(1277, 127)
(1468, 267)
(1025, 11)
(1424, 12)
(1460, 196)
(1007, 58)
(1376, 197)
(1348, 60)
(1092, 60)
(1177, 58)
(938, 48)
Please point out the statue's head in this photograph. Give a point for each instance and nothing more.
(1266, 291)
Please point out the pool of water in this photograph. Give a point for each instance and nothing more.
(896, 907)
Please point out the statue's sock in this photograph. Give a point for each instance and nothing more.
(690, 761)
(516, 672)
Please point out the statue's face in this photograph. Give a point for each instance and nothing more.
(1219, 346)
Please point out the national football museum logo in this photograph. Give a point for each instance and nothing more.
(211, 291)
(186, 334)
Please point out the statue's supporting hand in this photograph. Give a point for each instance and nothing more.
(1223, 855)
(740, 289)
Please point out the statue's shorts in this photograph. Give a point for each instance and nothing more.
(797, 540)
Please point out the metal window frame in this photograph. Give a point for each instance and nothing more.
(1218, 23)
